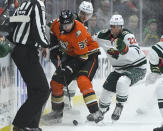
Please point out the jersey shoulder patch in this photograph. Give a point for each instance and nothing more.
(104, 34)
(126, 31)
(79, 29)
(78, 33)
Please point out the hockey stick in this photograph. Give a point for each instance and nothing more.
(66, 85)
(6, 8)
(68, 93)
(54, 47)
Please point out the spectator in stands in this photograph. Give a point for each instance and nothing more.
(13, 7)
(160, 18)
(2, 3)
(150, 35)
(125, 7)
(103, 14)
(150, 10)
(93, 28)
(4, 47)
(133, 26)
(1, 10)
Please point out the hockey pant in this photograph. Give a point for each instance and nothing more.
(159, 92)
(84, 84)
(119, 84)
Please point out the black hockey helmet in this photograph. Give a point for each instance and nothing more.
(66, 17)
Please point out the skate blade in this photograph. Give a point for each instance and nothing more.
(113, 121)
(50, 122)
(49, 119)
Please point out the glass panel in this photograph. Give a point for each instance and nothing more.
(142, 17)
(152, 21)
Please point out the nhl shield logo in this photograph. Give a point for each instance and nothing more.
(78, 33)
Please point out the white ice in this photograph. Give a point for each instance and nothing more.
(141, 97)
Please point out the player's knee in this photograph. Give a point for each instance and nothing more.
(123, 84)
(84, 84)
(106, 96)
(159, 92)
(57, 88)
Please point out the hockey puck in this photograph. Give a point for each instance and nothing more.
(75, 122)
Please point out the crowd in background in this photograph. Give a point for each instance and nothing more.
(143, 17)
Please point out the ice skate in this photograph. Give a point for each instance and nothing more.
(52, 118)
(97, 116)
(158, 129)
(104, 109)
(117, 112)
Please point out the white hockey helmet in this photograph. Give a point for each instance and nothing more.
(162, 37)
(86, 7)
(116, 20)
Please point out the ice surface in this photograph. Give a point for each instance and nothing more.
(141, 98)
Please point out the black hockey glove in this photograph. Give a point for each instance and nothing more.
(155, 68)
(83, 57)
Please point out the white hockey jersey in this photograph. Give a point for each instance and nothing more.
(135, 57)
(156, 55)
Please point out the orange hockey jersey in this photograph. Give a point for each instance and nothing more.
(76, 42)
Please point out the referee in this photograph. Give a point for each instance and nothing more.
(28, 37)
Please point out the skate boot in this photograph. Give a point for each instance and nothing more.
(103, 107)
(158, 129)
(52, 117)
(96, 117)
(26, 129)
(55, 116)
(117, 112)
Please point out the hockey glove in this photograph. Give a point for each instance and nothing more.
(114, 53)
(154, 68)
(161, 65)
(120, 45)
(83, 57)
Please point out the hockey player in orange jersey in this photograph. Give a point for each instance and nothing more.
(84, 14)
(79, 60)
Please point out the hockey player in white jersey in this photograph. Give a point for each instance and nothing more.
(127, 60)
(156, 65)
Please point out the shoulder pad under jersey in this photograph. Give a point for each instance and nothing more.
(104, 30)
(126, 31)
(104, 34)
